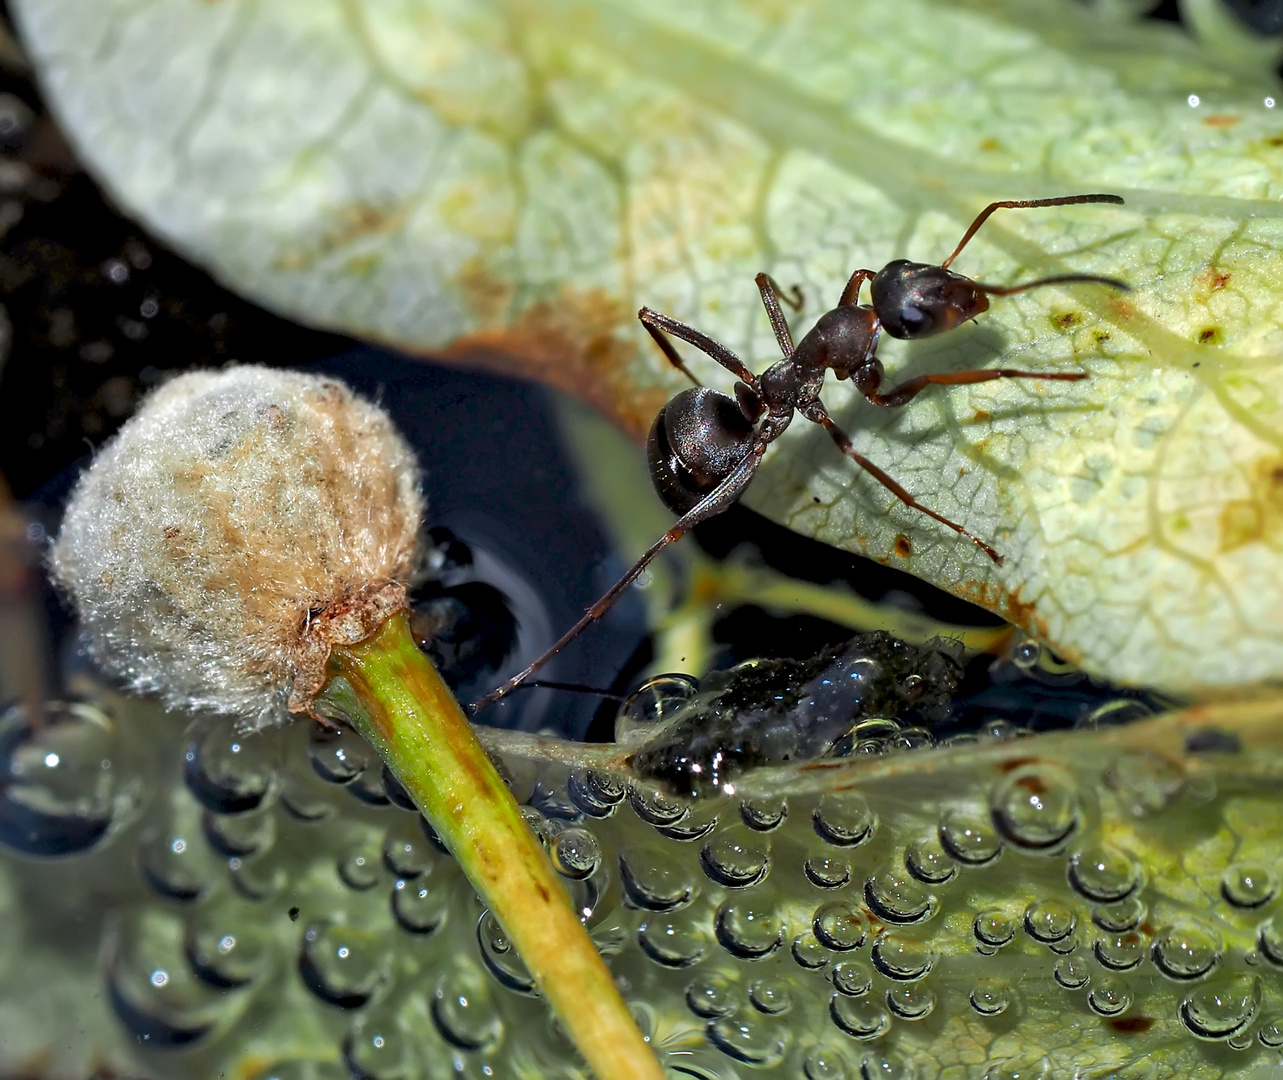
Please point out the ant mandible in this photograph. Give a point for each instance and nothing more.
(705, 446)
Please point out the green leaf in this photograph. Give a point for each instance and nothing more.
(511, 181)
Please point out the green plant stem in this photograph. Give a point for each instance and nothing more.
(416, 725)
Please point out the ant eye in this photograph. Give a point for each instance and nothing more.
(914, 320)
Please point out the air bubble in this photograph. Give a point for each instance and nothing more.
(911, 1001)
(465, 1017)
(227, 946)
(927, 861)
(969, 839)
(852, 977)
(652, 882)
(501, 958)
(827, 871)
(765, 814)
(1221, 1010)
(1145, 782)
(239, 835)
(887, 1065)
(1249, 886)
(844, 822)
(809, 953)
(62, 787)
(1103, 874)
(1049, 921)
(710, 996)
(1270, 1033)
(575, 853)
(1122, 916)
(748, 1038)
(227, 771)
(342, 965)
(825, 1063)
(859, 1017)
(653, 704)
(838, 926)
(406, 851)
(418, 906)
(994, 928)
(1187, 950)
(375, 1049)
(338, 756)
(770, 997)
(1036, 808)
(698, 823)
(654, 805)
(1119, 952)
(901, 957)
(671, 943)
(1109, 997)
(595, 794)
(1071, 972)
(735, 860)
(175, 861)
(1269, 939)
(359, 868)
(747, 932)
(990, 997)
(894, 897)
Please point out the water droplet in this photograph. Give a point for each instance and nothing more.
(406, 851)
(174, 860)
(994, 928)
(1036, 808)
(825, 1063)
(342, 965)
(1116, 918)
(859, 1017)
(394, 791)
(852, 977)
(764, 814)
(242, 835)
(338, 756)
(1023, 1069)
(809, 953)
(576, 853)
(1109, 997)
(374, 1047)
(895, 897)
(674, 943)
(927, 861)
(911, 1001)
(735, 859)
(1072, 972)
(770, 996)
(359, 867)
(653, 704)
(1249, 886)
(227, 945)
(1270, 1032)
(1269, 939)
(710, 995)
(1187, 950)
(465, 1016)
(1049, 921)
(901, 957)
(654, 805)
(1145, 782)
(1119, 952)
(501, 958)
(969, 838)
(1103, 874)
(843, 822)
(62, 785)
(839, 926)
(228, 771)
(594, 793)
(419, 907)
(1222, 1009)
(990, 997)
(749, 1038)
(886, 1064)
(652, 882)
(827, 871)
(747, 932)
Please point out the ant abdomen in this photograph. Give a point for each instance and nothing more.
(918, 300)
(696, 441)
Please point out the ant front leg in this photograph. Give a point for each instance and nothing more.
(868, 380)
(817, 414)
(851, 294)
(658, 326)
(770, 291)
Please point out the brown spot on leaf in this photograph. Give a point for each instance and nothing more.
(1131, 1025)
(1215, 279)
(580, 342)
(1209, 335)
(990, 144)
(981, 416)
(351, 223)
(903, 546)
(1067, 319)
(1274, 140)
(1012, 764)
(1101, 336)
(1258, 518)
(1221, 120)
(1015, 609)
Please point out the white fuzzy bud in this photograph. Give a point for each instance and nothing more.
(238, 526)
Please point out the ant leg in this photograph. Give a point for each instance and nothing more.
(851, 294)
(674, 357)
(816, 413)
(771, 301)
(657, 324)
(791, 296)
(1024, 204)
(714, 503)
(868, 381)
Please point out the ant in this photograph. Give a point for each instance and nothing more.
(705, 446)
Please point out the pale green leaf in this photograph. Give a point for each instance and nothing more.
(520, 178)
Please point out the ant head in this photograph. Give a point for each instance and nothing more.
(696, 441)
(919, 300)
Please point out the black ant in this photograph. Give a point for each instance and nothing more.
(705, 446)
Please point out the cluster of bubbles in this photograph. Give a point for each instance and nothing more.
(275, 897)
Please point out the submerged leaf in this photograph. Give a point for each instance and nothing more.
(511, 181)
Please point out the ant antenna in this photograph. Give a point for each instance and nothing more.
(1026, 204)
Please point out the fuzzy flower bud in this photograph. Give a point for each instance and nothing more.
(238, 526)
